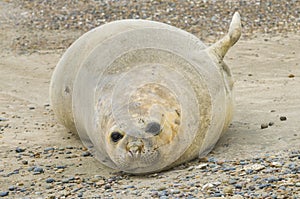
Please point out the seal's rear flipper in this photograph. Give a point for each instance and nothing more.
(221, 47)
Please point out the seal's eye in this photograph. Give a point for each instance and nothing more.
(153, 128)
(116, 136)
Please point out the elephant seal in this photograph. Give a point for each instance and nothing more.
(145, 96)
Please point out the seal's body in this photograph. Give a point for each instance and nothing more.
(145, 96)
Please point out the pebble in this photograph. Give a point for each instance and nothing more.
(3, 119)
(264, 125)
(201, 166)
(11, 188)
(207, 186)
(276, 164)
(25, 162)
(4, 193)
(283, 118)
(50, 180)
(38, 170)
(271, 123)
(49, 149)
(86, 154)
(228, 190)
(255, 167)
(20, 150)
(238, 186)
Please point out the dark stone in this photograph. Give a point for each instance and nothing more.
(4, 193)
(86, 154)
(107, 186)
(19, 150)
(49, 149)
(38, 170)
(50, 180)
(264, 186)
(252, 188)
(263, 126)
(283, 118)
(238, 186)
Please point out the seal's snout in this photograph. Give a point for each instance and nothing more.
(135, 148)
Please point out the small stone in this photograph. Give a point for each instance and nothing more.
(86, 154)
(161, 188)
(38, 170)
(129, 187)
(190, 168)
(59, 170)
(25, 162)
(175, 191)
(271, 179)
(217, 195)
(49, 149)
(271, 123)
(264, 186)
(46, 104)
(20, 184)
(31, 107)
(238, 186)
(4, 193)
(283, 118)
(100, 183)
(264, 126)
(251, 188)
(11, 188)
(276, 164)
(255, 167)
(291, 75)
(107, 186)
(67, 180)
(20, 150)
(3, 119)
(49, 180)
(95, 179)
(207, 186)
(49, 187)
(228, 190)
(201, 166)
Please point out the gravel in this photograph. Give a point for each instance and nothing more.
(206, 19)
(267, 176)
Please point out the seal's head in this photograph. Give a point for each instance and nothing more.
(146, 141)
(150, 151)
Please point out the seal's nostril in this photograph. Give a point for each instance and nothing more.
(153, 128)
